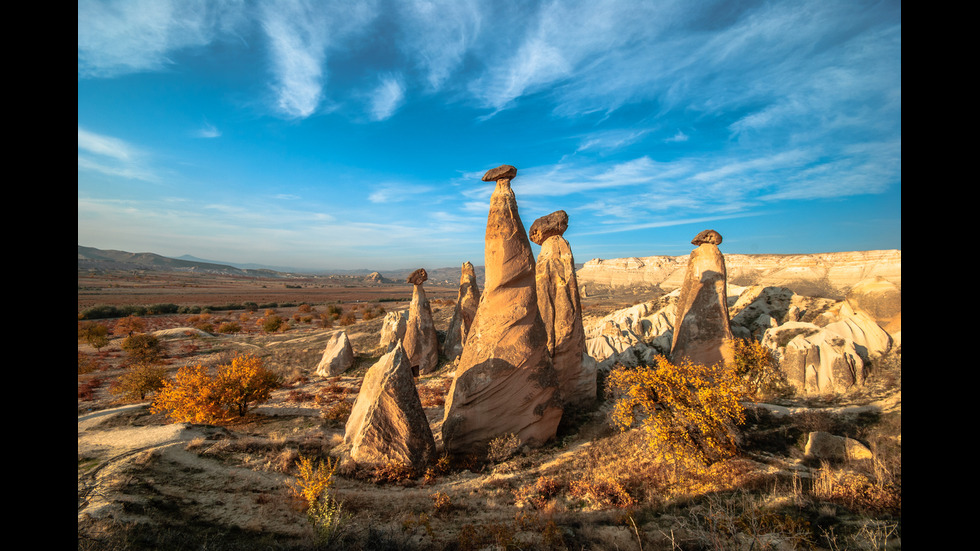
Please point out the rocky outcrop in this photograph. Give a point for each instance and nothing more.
(835, 271)
(702, 330)
(823, 445)
(881, 300)
(421, 340)
(467, 301)
(387, 422)
(560, 307)
(505, 381)
(821, 363)
(393, 329)
(338, 356)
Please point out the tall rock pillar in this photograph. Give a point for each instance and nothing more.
(560, 307)
(421, 340)
(467, 302)
(702, 328)
(505, 381)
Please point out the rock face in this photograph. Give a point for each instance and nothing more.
(839, 271)
(823, 445)
(881, 300)
(505, 381)
(421, 340)
(702, 331)
(467, 301)
(560, 307)
(387, 422)
(338, 356)
(393, 329)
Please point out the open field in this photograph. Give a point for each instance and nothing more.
(147, 483)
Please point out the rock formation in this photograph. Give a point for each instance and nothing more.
(387, 422)
(881, 300)
(338, 356)
(560, 307)
(393, 329)
(702, 331)
(836, 271)
(467, 301)
(505, 381)
(421, 340)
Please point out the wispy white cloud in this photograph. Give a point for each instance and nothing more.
(208, 131)
(112, 156)
(437, 34)
(386, 98)
(396, 192)
(125, 36)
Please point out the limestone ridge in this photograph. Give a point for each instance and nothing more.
(387, 422)
(421, 340)
(702, 331)
(560, 307)
(467, 302)
(505, 381)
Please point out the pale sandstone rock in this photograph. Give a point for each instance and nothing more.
(387, 422)
(560, 307)
(822, 363)
(702, 332)
(839, 270)
(421, 341)
(393, 329)
(869, 338)
(823, 445)
(467, 301)
(338, 356)
(505, 381)
(880, 299)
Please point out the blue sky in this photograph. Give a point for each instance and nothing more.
(342, 135)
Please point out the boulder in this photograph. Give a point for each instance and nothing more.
(702, 333)
(823, 445)
(560, 307)
(338, 356)
(505, 381)
(467, 301)
(421, 340)
(387, 422)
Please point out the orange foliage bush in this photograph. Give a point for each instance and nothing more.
(690, 408)
(195, 395)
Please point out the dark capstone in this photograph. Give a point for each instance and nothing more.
(418, 276)
(707, 236)
(552, 224)
(502, 172)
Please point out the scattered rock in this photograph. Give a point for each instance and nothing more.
(338, 356)
(823, 445)
(387, 422)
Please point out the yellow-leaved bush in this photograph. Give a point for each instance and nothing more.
(691, 409)
(195, 395)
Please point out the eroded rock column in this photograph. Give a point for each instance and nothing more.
(702, 331)
(560, 307)
(505, 381)
(467, 302)
(421, 340)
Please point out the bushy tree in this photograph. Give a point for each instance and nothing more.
(139, 381)
(129, 325)
(95, 334)
(690, 409)
(196, 395)
(143, 348)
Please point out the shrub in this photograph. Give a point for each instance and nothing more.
(86, 390)
(229, 327)
(95, 334)
(129, 325)
(392, 471)
(139, 381)
(602, 492)
(143, 348)
(194, 395)
(441, 503)
(503, 447)
(349, 318)
(691, 409)
(312, 485)
(759, 369)
(272, 323)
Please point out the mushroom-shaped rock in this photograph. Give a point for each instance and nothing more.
(418, 277)
(421, 339)
(505, 381)
(552, 224)
(707, 236)
(338, 356)
(387, 422)
(502, 172)
(702, 331)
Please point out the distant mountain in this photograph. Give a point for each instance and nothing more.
(90, 258)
